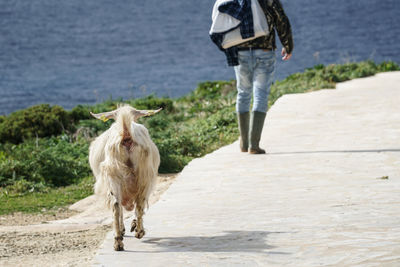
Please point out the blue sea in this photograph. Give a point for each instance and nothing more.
(84, 51)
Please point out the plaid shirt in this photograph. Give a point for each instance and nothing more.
(240, 10)
(277, 20)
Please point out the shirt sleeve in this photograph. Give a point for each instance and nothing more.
(282, 26)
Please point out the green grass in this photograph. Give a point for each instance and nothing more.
(48, 199)
(36, 160)
(326, 77)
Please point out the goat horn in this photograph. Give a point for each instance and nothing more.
(152, 112)
(147, 113)
(105, 116)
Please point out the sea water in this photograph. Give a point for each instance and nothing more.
(82, 52)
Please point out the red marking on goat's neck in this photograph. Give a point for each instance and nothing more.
(127, 142)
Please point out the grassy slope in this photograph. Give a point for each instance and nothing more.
(49, 199)
(189, 127)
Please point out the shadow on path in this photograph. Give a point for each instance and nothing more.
(231, 241)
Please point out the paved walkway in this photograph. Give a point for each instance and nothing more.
(326, 194)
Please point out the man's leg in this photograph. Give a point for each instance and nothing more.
(244, 78)
(263, 76)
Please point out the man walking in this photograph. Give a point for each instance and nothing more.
(255, 72)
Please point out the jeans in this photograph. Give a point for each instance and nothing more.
(254, 75)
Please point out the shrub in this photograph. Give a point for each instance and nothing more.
(52, 161)
(152, 102)
(209, 90)
(95, 127)
(321, 76)
(183, 141)
(80, 112)
(37, 121)
(388, 66)
(159, 123)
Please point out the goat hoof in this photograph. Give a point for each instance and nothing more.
(140, 234)
(118, 245)
(133, 225)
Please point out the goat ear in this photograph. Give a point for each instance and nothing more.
(145, 113)
(105, 116)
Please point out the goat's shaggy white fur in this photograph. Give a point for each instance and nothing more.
(125, 162)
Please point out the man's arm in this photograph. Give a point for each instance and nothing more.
(282, 26)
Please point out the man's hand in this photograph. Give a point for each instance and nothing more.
(285, 55)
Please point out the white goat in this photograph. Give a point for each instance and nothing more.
(125, 162)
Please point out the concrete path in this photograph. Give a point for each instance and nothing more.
(326, 194)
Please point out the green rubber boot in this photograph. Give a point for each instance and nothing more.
(257, 123)
(243, 120)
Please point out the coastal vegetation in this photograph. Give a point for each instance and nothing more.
(44, 149)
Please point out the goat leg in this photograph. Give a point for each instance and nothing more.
(133, 225)
(118, 244)
(121, 221)
(139, 223)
